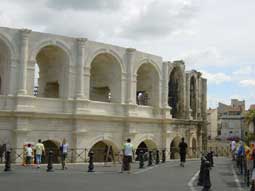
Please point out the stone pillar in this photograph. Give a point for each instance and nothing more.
(131, 91)
(80, 68)
(189, 111)
(165, 85)
(22, 89)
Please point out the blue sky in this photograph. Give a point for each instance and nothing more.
(212, 36)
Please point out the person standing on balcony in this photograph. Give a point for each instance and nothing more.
(39, 150)
(183, 150)
(64, 150)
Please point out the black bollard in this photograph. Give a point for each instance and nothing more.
(163, 156)
(7, 161)
(157, 156)
(150, 159)
(141, 159)
(91, 162)
(201, 172)
(50, 162)
(206, 179)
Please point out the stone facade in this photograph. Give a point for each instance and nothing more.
(87, 93)
(212, 128)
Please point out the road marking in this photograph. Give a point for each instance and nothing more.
(144, 170)
(192, 180)
(236, 179)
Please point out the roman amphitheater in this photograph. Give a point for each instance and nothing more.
(95, 95)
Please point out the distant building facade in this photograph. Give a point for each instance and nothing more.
(231, 119)
(212, 127)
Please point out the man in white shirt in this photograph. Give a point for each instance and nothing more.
(128, 153)
(39, 149)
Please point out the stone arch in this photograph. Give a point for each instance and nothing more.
(105, 78)
(51, 145)
(51, 42)
(176, 92)
(110, 52)
(104, 150)
(148, 84)
(147, 138)
(174, 147)
(147, 61)
(56, 56)
(13, 50)
(193, 96)
(7, 54)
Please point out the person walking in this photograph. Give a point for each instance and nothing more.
(127, 156)
(233, 149)
(182, 150)
(241, 155)
(39, 150)
(64, 150)
(29, 155)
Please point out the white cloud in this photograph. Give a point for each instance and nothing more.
(208, 57)
(245, 70)
(247, 83)
(216, 78)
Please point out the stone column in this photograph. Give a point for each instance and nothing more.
(189, 111)
(165, 85)
(22, 89)
(131, 92)
(80, 68)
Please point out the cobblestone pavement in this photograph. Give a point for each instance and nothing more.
(163, 177)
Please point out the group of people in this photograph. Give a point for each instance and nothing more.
(128, 153)
(39, 150)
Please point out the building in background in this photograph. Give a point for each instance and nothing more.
(212, 128)
(231, 119)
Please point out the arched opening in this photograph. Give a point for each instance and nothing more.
(193, 104)
(4, 67)
(50, 145)
(174, 148)
(147, 85)
(51, 63)
(175, 92)
(194, 148)
(145, 146)
(104, 151)
(105, 79)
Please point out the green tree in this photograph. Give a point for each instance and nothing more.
(250, 118)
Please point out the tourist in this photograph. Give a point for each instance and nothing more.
(64, 151)
(182, 150)
(233, 149)
(29, 155)
(241, 155)
(39, 150)
(127, 158)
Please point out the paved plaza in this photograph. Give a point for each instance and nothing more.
(163, 177)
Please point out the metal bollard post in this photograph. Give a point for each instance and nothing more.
(91, 162)
(7, 161)
(206, 179)
(50, 162)
(163, 156)
(157, 156)
(248, 178)
(201, 172)
(150, 159)
(141, 159)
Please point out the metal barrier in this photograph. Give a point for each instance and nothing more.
(115, 156)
